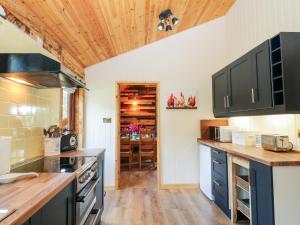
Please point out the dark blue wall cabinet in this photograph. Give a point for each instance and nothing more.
(263, 81)
(262, 206)
(220, 180)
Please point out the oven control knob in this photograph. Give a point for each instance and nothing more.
(81, 179)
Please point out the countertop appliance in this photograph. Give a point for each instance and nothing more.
(205, 171)
(87, 179)
(220, 133)
(69, 142)
(37, 70)
(277, 143)
(246, 138)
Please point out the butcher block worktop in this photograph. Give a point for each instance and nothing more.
(29, 195)
(83, 152)
(257, 154)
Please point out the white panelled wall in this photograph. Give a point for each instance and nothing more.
(186, 61)
(180, 62)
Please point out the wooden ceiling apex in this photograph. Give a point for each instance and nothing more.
(92, 31)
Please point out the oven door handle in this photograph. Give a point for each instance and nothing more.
(87, 191)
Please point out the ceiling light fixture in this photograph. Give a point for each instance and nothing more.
(166, 19)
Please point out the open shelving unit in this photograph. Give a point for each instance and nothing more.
(241, 191)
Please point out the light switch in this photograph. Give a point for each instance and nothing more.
(298, 133)
(106, 120)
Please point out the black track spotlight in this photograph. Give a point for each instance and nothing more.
(175, 21)
(168, 28)
(167, 20)
(160, 26)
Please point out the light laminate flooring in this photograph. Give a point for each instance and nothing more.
(140, 203)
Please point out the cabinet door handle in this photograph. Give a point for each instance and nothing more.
(227, 100)
(216, 152)
(216, 183)
(252, 95)
(225, 104)
(252, 178)
(216, 162)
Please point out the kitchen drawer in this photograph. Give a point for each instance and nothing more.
(218, 154)
(220, 192)
(219, 187)
(219, 168)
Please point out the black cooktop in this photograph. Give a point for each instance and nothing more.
(53, 165)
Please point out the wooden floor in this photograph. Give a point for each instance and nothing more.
(140, 203)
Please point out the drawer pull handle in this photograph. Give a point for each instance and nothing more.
(216, 162)
(216, 183)
(252, 96)
(227, 100)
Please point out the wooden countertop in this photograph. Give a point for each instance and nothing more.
(83, 152)
(29, 195)
(256, 154)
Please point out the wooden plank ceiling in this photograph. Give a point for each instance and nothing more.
(92, 31)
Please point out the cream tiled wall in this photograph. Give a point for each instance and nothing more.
(24, 112)
(273, 124)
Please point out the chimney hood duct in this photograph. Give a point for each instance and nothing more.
(37, 70)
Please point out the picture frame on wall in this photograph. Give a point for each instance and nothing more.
(182, 100)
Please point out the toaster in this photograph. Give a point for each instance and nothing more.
(277, 143)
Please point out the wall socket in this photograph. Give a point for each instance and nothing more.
(106, 120)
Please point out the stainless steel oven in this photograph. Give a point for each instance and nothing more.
(85, 202)
(86, 195)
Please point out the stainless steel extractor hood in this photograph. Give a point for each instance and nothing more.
(37, 70)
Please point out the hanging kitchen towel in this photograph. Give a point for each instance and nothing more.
(5, 151)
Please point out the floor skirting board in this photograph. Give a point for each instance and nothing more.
(109, 188)
(179, 186)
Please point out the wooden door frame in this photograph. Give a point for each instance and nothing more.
(117, 133)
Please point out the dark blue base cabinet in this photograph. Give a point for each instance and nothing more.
(262, 200)
(59, 211)
(100, 187)
(220, 180)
